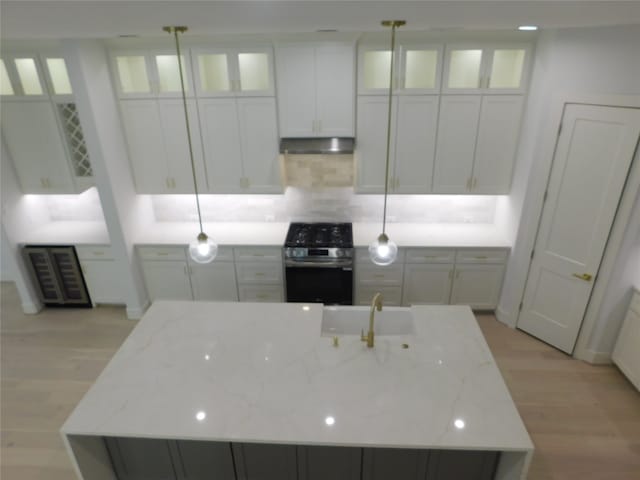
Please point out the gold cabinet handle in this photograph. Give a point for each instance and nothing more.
(583, 276)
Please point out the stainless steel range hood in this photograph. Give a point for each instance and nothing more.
(317, 145)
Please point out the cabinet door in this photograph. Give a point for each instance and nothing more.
(477, 286)
(141, 458)
(174, 136)
(415, 144)
(167, 280)
(455, 147)
(497, 143)
(371, 144)
(323, 463)
(144, 132)
(260, 293)
(265, 461)
(205, 460)
(34, 141)
(102, 279)
(295, 68)
(335, 84)
(420, 68)
(463, 72)
(221, 140)
(427, 284)
(460, 464)
(396, 463)
(214, 282)
(259, 143)
(507, 68)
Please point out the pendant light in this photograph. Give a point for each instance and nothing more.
(384, 251)
(202, 249)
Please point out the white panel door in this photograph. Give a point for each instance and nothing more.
(295, 67)
(427, 284)
(143, 130)
(371, 143)
(221, 142)
(335, 84)
(259, 144)
(496, 144)
(415, 143)
(455, 147)
(31, 133)
(590, 166)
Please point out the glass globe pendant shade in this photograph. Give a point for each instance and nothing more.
(383, 251)
(203, 249)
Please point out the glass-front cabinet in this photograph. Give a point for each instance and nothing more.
(486, 69)
(150, 74)
(417, 69)
(233, 72)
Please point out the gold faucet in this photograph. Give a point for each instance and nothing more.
(376, 302)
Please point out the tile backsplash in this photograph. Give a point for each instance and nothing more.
(318, 171)
(85, 206)
(326, 204)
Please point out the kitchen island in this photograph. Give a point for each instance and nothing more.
(262, 386)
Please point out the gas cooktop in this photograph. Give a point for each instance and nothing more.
(319, 235)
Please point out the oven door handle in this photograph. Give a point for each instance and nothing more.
(345, 264)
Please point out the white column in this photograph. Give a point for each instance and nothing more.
(125, 212)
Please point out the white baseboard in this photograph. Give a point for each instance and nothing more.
(135, 313)
(30, 308)
(506, 318)
(595, 358)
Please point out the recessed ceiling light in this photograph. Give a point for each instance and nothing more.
(528, 28)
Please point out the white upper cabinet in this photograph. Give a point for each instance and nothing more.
(486, 69)
(316, 84)
(476, 145)
(240, 145)
(150, 74)
(158, 149)
(417, 69)
(412, 143)
(233, 72)
(41, 126)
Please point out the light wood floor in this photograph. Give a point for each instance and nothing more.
(584, 420)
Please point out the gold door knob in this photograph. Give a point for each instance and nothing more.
(583, 276)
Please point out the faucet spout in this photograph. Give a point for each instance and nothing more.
(376, 303)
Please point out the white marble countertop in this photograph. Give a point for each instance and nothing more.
(263, 373)
(271, 234)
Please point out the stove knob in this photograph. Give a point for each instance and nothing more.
(298, 252)
(339, 253)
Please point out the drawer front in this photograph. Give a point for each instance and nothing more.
(390, 295)
(258, 254)
(384, 276)
(635, 303)
(260, 293)
(162, 253)
(362, 256)
(482, 256)
(255, 272)
(94, 252)
(429, 255)
(225, 254)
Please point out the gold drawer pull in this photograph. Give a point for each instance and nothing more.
(583, 276)
(262, 296)
(481, 257)
(98, 253)
(378, 275)
(260, 274)
(162, 254)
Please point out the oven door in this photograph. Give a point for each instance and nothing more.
(317, 283)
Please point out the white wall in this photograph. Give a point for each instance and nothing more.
(585, 61)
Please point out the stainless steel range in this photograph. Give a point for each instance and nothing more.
(318, 259)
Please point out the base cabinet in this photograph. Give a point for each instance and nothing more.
(150, 459)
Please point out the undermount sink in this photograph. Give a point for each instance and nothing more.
(354, 320)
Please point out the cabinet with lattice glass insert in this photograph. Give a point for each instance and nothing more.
(41, 127)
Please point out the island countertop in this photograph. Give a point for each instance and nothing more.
(263, 373)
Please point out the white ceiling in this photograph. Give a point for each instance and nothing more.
(110, 18)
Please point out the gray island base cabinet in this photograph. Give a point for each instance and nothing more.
(152, 459)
